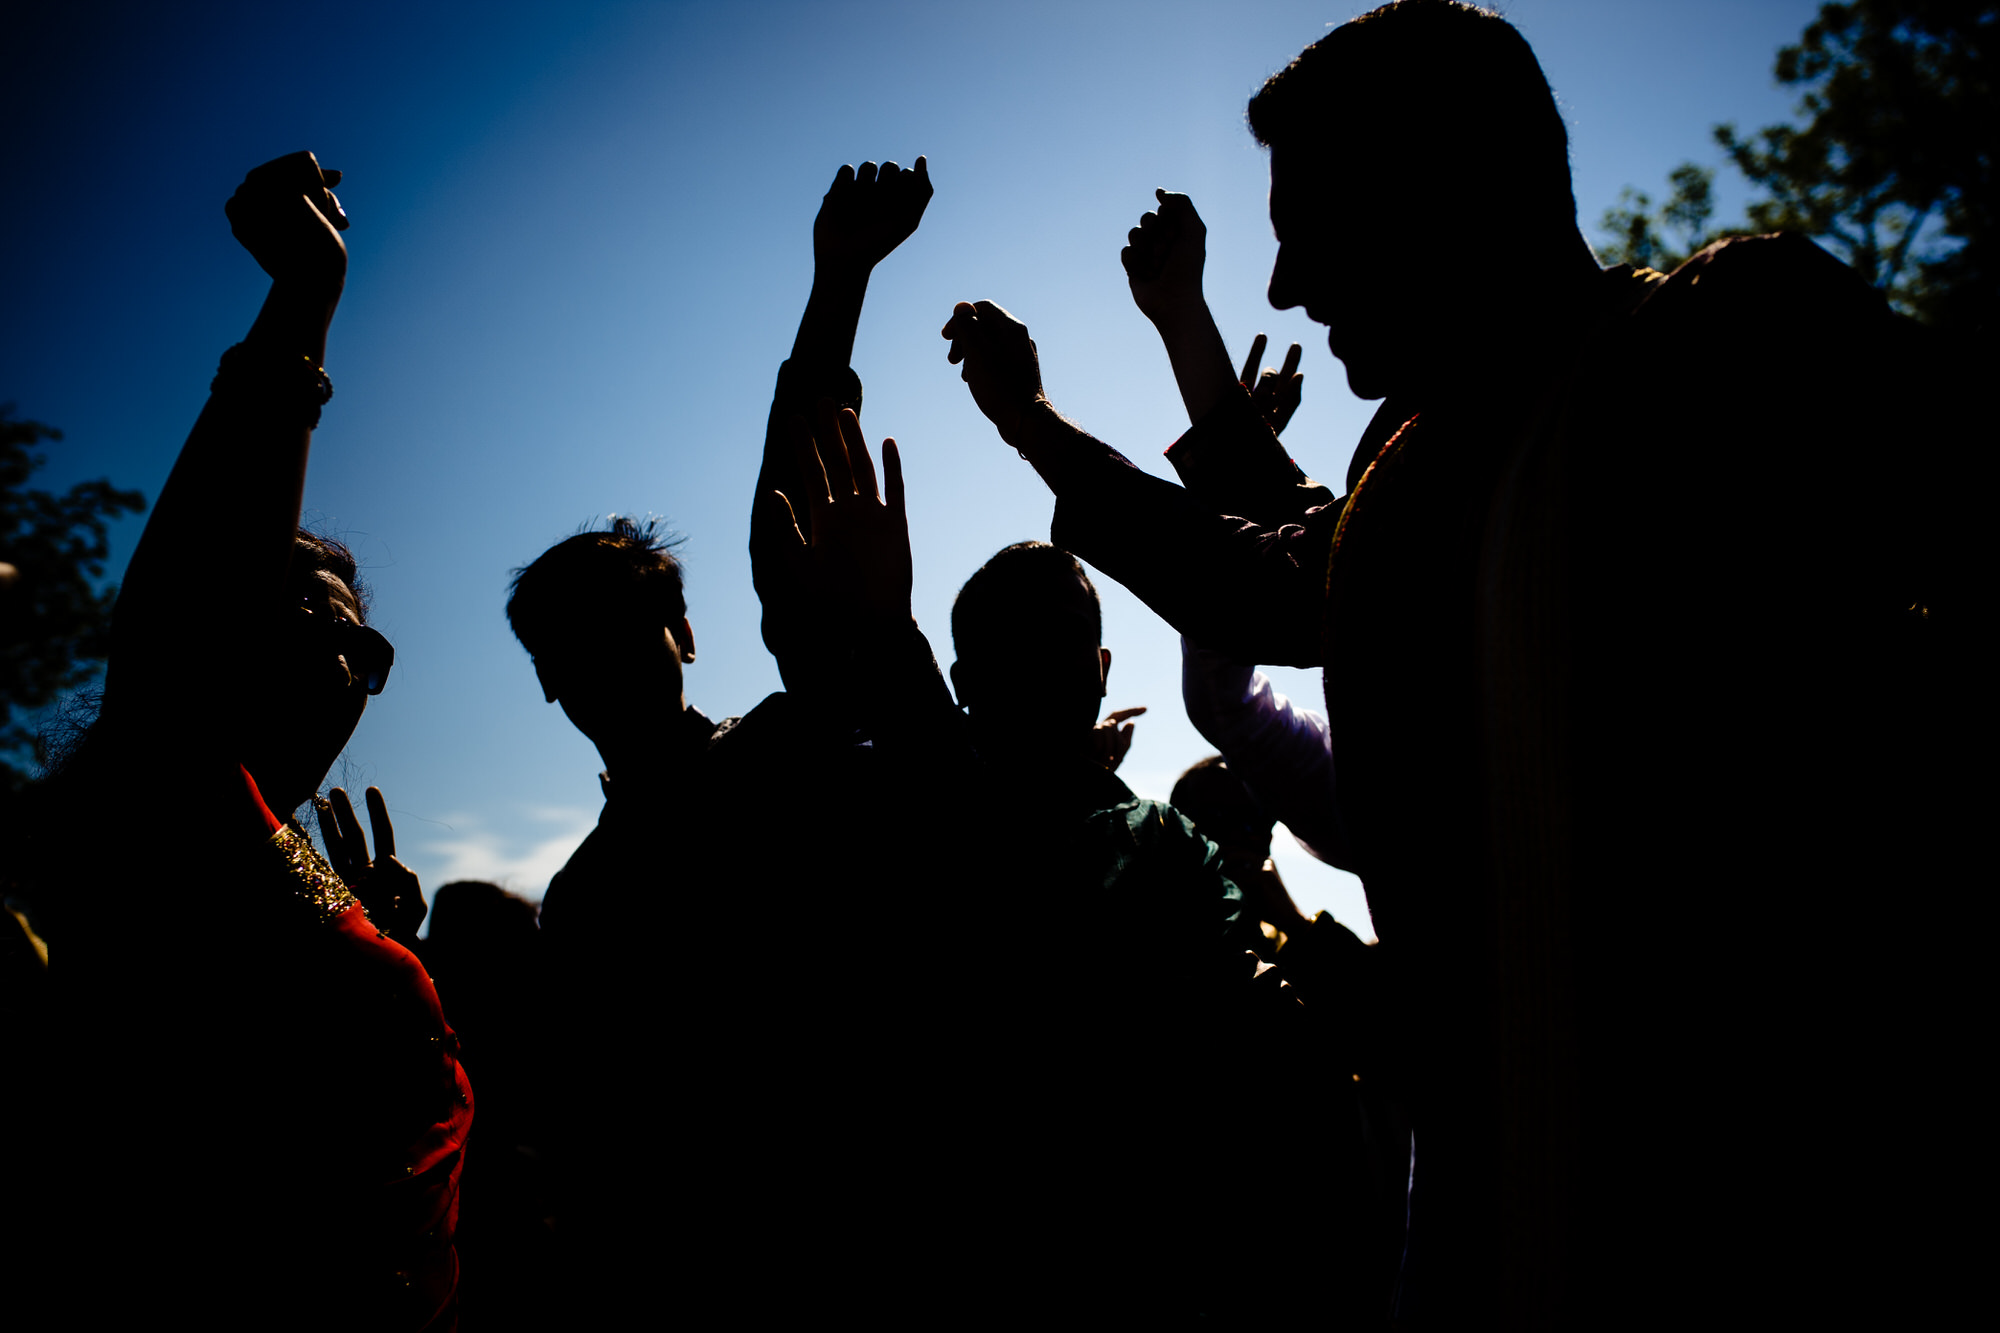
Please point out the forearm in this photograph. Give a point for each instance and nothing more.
(1200, 360)
(818, 368)
(1252, 591)
(832, 315)
(241, 472)
(905, 704)
(1281, 751)
(1232, 462)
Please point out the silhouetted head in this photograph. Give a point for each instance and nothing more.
(604, 617)
(1030, 667)
(1224, 810)
(315, 666)
(471, 914)
(1419, 167)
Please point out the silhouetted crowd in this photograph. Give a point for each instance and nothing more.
(1646, 612)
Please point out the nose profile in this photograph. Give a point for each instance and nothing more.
(1283, 292)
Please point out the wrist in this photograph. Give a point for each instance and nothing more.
(297, 315)
(1025, 431)
(1189, 310)
(841, 273)
(309, 293)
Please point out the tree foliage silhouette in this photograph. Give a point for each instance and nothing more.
(55, 624)
(1892, 167)
(1637, 231)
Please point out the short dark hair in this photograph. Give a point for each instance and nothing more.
(1429, 81)
(473, 910)
(1219, 803)
(623, 571)
(1023, 585)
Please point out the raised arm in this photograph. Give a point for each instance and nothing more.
(241, 474)
(1230, 458)
(841, 542)
(865, 215)
(1163, 258)
(1253, 590)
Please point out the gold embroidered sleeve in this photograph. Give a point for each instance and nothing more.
(319, 891)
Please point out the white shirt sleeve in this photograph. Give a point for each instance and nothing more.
(1283, 753)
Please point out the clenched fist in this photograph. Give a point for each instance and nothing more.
(1001, 367)
(284, 213)
(869, 212)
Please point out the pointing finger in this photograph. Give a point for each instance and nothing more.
(1291, 360)
(1250, 363)
(329, 833)
(350, 828)
(839, 471)
(855, 447)
(892, 472)
(379, 825)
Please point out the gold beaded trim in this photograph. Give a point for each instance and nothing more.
(315, 883)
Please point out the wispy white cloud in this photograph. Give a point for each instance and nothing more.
(520, 856)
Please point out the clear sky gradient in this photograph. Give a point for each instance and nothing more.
(581, 243)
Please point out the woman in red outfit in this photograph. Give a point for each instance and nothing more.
(263, 1113)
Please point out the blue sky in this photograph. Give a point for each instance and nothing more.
(581, 244)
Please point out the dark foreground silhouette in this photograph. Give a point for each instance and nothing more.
(259, 1115)
(888, 999)
(1567, 689)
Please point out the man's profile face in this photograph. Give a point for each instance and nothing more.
(611, 676)
(1351, 257)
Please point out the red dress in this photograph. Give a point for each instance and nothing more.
(413, 1167)
(266, 1104)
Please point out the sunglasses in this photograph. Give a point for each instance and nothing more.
(369, 655)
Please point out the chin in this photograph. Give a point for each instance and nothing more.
(1365, 380)
(1364, 377)
(292, 774)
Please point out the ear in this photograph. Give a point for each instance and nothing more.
(686, 640)
(1103, 672)
(548, 686)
